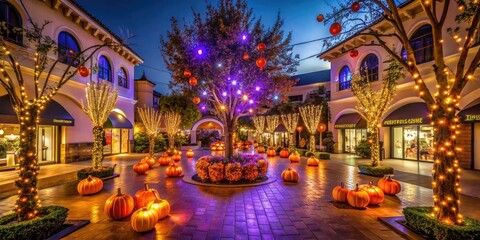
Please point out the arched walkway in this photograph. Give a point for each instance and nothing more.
(205, 123)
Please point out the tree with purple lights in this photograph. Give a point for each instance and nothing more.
(240, 65)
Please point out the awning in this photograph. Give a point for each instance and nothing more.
(350, 120)
(410, 114)
(53, 114)
(117, 120)
(470, 115)
(280, 128)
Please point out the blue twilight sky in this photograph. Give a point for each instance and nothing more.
(148, 19)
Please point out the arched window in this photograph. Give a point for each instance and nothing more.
(67, 48)
(344, 78)
(422, 44)
(122, 78)
(12, 19)
(104, 69)
(369, 67)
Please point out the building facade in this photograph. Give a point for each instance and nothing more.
(406, 130)
(64, 134)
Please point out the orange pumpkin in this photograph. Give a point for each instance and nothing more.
(190, 153)
(119, 205)
(284, 153)
(357, 198)
(144, 219)
(290, 175)
(375, 193)
(294, 157)
(220, 148)
(144, 196)
(90, 185)
(261, 149)
(171, 151)
(389, 186)
(271, 152)
(313, 161)
(140, 167)
(161, 206)
(149, 160)
(176, 157)
(255, 145)
(340, 193)
(174, 171)
(164, 160)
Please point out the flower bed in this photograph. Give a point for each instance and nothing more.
(238, 169)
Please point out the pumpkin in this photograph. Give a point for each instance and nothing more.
(213, 148)
(220, 148)
(144, 219)
(119, 205)
(176, 157)
(174, 171)
(357, 198)
(90, 185)
(149, 160)
(290, 175)
(375, 193)
(389, 186)
(294, 157)
(161, 206)
(313, 161)
(340, 193)
(271, 152)
(140, 167)
(144, 196)
(164, 160)
(255, 145)
(261, 149)
(189, 153)
(284, 153)
(171, 151)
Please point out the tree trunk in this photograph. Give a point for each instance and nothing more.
(446, 170)
(171, 141)
(228, 141)
(97, 151)
(151, 149)
(27, 204)
(375, 147)
(291, 143)
(312, 143)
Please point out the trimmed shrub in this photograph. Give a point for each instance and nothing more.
(419, 219)
(323, 155)
(50, 221)
(363, 149)
(378, 171)
(100, 173)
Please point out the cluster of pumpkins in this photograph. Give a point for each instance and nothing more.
(368, 194)
(165, 160)
(217, 146)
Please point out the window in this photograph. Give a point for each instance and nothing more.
(10, 16)
(296, 98)
(67, 48)
(422, 45)
(122, 78)
(344, 78)
(104, 69)
(369, 67)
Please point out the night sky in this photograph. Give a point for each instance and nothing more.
(148, 19)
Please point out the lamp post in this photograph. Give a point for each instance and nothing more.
(299, 130)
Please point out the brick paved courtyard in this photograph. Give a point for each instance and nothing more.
(273, 211)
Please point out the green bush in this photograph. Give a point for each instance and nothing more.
(323, 155)
(328, 142)
(100, 173)
(309, 154)
(50, 221)
(142, 143)
(300, 151)
(420, 220)
(378, 171)
(363, 149)
(3, 148)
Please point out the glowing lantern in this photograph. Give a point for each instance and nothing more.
(321, 127)
(246, 57)
(261, 46)
(261, 62)
(196, 100)
(192, 81)
(355, 7)
(320, 18)
(245, 97)
(353, 53)
(83, 71)
(187, 73)
(335, 29)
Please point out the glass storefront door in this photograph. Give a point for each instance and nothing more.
(116, 141)
(125, 139)
(412, 142)
(46, 143)
(352, 137)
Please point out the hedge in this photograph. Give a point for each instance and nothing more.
(422, 222)
(378, 171)
(51, 221)
(306, 153)
(85, 172)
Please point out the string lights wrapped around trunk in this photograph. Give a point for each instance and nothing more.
(259, 123)
(272, 123)
(311, 115)
(172, 123)
(151, 121)
(290, 121)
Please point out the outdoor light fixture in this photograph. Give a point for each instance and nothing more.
(11, 137)
(251, 101)
(257, 89)
(234, 82)
(1, 132)
(224, 94)
(245, 97)
(204, 93)
(239, 92)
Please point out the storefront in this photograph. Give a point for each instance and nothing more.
(281, 136)
(411, 135)
(52, 118)
(469, 138)
(117, 133)
(352, 129)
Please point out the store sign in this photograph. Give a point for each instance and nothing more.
(471, 118)
(66, 122)
(409, 121)
(344, 126)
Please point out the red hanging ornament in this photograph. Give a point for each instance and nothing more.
(261, 62)
(196, 100)
(335, 29)
(355, 7)
(192, 81)
(187, 73)
(83, 71)
(246, 57)
(354, 53)
(320, 18)
(261, 46)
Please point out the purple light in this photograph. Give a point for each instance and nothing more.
(257, 88)
(276, 97)
(250, 101)
(199, 51)
(203, 107)
(224, 94)
(204, 93)
(244, 37)
(234, 82)
(239, 92)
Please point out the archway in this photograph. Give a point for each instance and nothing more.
(207, 123)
